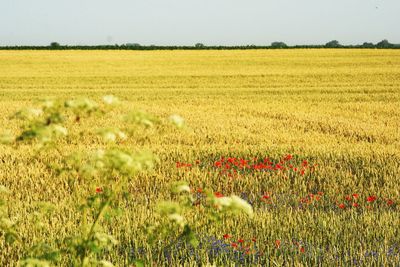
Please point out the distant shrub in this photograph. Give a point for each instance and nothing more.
(278, 45)
(333, 44)
(384, 44)
(368, 45)
(55, 45)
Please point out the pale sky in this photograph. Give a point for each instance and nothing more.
(186, 22)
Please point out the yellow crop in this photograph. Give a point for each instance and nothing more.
(336, 109)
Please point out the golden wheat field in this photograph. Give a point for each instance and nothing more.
(310, 139)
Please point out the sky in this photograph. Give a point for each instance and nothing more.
(186, 22)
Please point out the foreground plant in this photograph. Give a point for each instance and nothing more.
(111, 167)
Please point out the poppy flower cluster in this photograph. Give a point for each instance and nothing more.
(351, 201)
(317, 199)
(311, 198)
(355, 201)
(183, 165)
(251, 246)
(293, 245)
(246, 246)
(233, 165)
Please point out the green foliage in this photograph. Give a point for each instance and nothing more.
(384, 44)
(278, 45)
(54, 45)
(368, 45)
(46, 125)
(197, 46)
(333, 44)
(112, 135)
(6, 138)
(113, 167)
(141, 118)
(173, 212)
(7, 226)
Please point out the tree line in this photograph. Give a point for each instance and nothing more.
(384, 44)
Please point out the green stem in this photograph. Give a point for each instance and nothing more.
(93, 227)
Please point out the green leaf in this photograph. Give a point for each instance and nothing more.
(190, 237)
(32, 262)
(11, 237)
(6, 138)
(138, 263)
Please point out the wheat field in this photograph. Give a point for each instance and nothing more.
(329, 118)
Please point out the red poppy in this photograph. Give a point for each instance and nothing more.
(355, 205)
(342, 206)
(218, 164)
(278, 167)
(348, 198)
(355, 196)
(254, 239)
(302, 249)
(199, 190)
(389, 202)
(265, 196)
(371, 198)
(99, 190)
(277, 243)
(243, 162)
(218, 194)
(288, 157)
(302, 172)
(240, 241)
(231, 160)
(234, 245)
(226, 236)
(305, 200)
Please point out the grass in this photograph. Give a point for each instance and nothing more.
(338, 109)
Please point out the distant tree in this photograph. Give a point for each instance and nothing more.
(278, 45)
(54, 45)
(133, 45)
(384, 44)
(199, 45)
(333, 44)
(368, 45)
